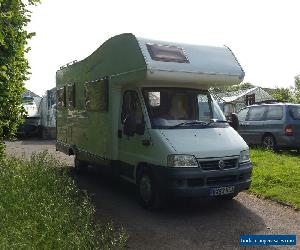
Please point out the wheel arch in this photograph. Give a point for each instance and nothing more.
(139, 168)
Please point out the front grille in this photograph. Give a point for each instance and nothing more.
(219, 180)
(214, 164)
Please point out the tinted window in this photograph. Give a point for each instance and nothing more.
(71, 95)
(295, 112)
(61, 97)
(274, 113)
(131, 105)
(96, 95)
(166, 53)
(242, 114)
(256, 113)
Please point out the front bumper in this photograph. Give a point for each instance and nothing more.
(193, 182)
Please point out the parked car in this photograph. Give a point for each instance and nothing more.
(273, 126)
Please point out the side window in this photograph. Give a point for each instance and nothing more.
(51, 99)
(295, 112)
(61, 97)
(96, 95)
(131, 105)
(243, 114)
(256, 113)
(71, 96)
(274, 113)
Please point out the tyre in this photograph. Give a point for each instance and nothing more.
(148, 191)
(81, 167)
(269, 142)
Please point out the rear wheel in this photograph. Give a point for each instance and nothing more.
(149, 194)
(269, 142)
(81, 167)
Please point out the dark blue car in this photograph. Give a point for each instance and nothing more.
(273, 126)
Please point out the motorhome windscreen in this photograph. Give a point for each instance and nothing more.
(181, 108)
(28, 99)
(166, 53)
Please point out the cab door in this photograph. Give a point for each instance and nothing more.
(133, 148)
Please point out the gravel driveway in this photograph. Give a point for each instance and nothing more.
(184, 224)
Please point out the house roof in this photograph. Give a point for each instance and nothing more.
(237, 96)
(30, 93)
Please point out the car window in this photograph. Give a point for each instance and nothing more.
(242, 114)
(274, 113)
(256, 113)
(295, 112)
(131, 105)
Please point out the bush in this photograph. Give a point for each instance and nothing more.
(41, 208)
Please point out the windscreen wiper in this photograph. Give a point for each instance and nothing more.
(190, 123)
(216, 121)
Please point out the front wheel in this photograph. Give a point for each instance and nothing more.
(149, 194)
(269, 142)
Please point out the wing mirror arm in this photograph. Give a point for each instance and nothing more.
(234, 121)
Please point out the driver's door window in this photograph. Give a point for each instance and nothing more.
(131, 106)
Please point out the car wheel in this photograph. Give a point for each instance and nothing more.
(269, 142)
(148, 192)
(81, 167)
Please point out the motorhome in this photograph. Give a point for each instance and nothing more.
(31, 124)
(47, 111)
(142, 109)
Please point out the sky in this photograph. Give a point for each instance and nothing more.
(264, 35)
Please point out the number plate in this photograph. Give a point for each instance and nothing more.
(221, 191)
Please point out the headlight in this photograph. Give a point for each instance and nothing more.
(244, 156)
(182, 161)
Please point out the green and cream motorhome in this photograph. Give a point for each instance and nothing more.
(142, 109)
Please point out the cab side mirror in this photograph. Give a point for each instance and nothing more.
(234, 121)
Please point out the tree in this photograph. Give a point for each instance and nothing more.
(241, 86)
(14, 68)
(282, 94)
(297, 89)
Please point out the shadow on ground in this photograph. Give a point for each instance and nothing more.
(183, 224)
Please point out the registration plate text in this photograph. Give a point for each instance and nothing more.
(221, 191)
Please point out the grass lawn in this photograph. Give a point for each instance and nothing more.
(276, 176)
(41, 208)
